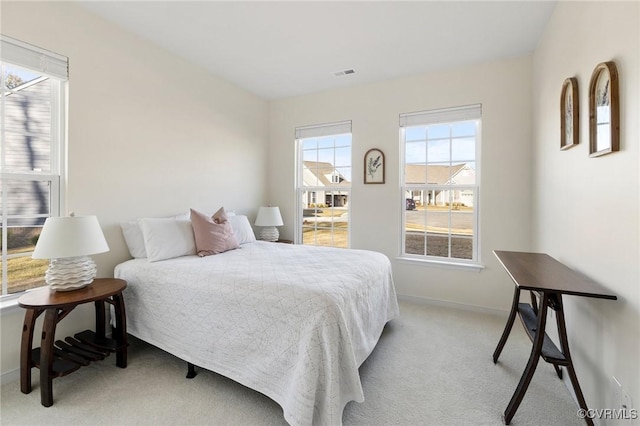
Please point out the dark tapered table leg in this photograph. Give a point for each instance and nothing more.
(508, 326)
(46, 356)
(100, 319)
(536, 351)
(26, 349)
(120, 330)
(564, 347)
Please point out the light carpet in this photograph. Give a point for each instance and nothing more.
(432, 366)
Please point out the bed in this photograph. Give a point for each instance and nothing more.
(290, 321)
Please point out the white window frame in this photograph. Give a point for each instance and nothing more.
(52, 67)
(316, 131)
(435, 117)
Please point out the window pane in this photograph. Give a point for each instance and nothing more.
(342, 141)
(438, 228)
(27, 153)
(415, 222)
(343, 176)
(310, 173)
(325, 172)
(24, 273)
(309, 235)
(340, 238)
(438, 131)
(28, 198)
(462, 224)
(28, 109)
(463, 149)
(464, 128)
(338, 201)
(326, 155)
(415, 152)
(415, 173)
(15, 77)
(415, 242)
(310, 203)
(439, 174)
(437, 245)
(465, 175)
(438, 150)
(309, 144)
(343, 156)
(415, 133)
(22, 239)
(310, 155)
(326, 142)
(462, 247)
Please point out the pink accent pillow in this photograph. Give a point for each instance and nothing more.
(213, 235)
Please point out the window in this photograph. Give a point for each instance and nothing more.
(324, 184)
(32, 107)
(440, 184)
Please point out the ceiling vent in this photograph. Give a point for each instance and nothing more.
(345, 72)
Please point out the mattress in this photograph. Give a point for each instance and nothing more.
(290, 321)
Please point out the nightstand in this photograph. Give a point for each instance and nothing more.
(74, 352)
(284, 241)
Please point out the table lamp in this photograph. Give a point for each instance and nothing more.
(269, 217)
(68, 242)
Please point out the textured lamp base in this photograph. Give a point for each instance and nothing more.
(269, 234)
(70, 273)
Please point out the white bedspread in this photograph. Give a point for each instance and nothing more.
(290, 321)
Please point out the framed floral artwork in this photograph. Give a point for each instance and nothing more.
(374, 166)
(569, 116)
(604, 110)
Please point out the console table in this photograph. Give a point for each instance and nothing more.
(547, 280)
(69, 355)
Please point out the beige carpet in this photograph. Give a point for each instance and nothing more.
(432, 366)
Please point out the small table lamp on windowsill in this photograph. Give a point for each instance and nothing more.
(269, 218)
(68, 242)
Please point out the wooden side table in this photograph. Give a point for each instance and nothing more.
(549, 279)
(59, 358)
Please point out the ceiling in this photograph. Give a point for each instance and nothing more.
(279, 49)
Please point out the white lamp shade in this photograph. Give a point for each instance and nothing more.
(269, 216)
(70, 236)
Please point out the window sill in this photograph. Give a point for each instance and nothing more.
(9, 304)
(473, 267)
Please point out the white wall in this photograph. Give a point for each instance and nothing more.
(504, 90)
(149, 134)
(586, 209)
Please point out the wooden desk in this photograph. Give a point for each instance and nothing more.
(549, 279)
(69, 355)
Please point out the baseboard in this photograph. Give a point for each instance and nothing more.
(453, 305)
(10, 376)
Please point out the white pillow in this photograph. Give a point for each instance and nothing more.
(242, 229)
(133, 237)
(135, 240)
(167, 238)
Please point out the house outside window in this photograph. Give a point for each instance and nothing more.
(32, 120)
(440, 185)
(323, 184)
